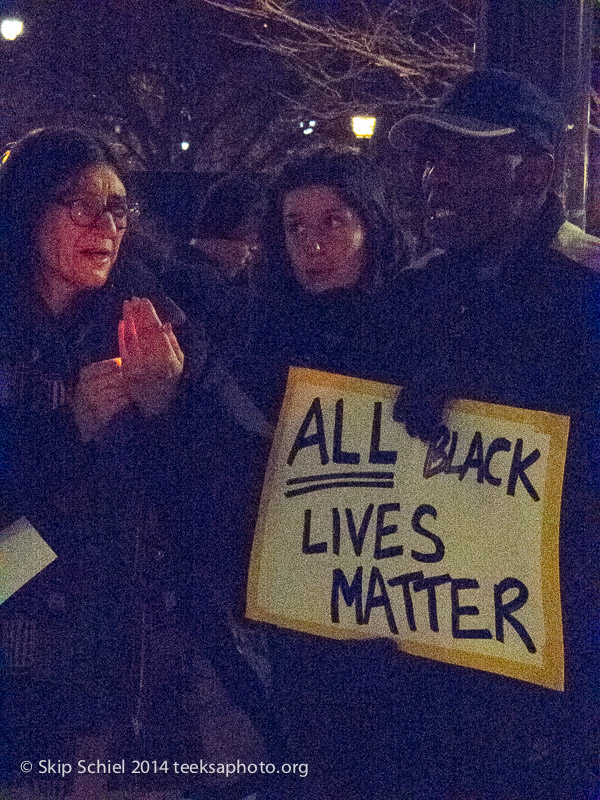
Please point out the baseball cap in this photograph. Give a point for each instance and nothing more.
(486, 104)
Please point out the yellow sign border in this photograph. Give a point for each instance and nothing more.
(551, 672)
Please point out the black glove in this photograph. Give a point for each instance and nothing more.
(421, 411)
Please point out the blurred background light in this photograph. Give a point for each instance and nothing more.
(308, 127)
(11, 28)
(363, 127)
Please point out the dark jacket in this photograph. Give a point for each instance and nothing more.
(344, 331)
(527, 335)
(148, 551)
(338, 714)
(223, 305)
(70, 633)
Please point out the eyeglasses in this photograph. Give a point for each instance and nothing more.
(87, 212)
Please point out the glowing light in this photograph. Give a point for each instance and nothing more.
(308, 130)
(11, 28)
(363, 127)
(5, 156)
(185, 145)
(312, 123)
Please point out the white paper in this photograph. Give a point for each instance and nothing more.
(23, 554)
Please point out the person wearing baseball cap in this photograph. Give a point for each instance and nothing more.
(491, 104)
(501, 316)
(487, 152)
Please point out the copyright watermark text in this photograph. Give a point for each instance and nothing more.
(156, 767)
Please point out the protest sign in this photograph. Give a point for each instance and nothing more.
(451, 550)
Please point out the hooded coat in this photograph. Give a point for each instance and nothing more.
(337, 713)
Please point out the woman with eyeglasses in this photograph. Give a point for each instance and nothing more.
(87, 368)
(65, 212)
(104, 431)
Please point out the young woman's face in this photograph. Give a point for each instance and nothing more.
(81, 256)
(325, 239)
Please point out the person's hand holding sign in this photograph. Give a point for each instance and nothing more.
(151, 356)
(100, 395)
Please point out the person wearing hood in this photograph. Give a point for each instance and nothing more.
(329, 260)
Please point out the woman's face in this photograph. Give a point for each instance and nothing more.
(325, 239)
(76, 257)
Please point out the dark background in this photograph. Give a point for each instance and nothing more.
(151, 74)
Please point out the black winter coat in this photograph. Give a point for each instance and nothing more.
(347, 331)
(527, 335)
(339, 717)
(70, 633)
(147, 524)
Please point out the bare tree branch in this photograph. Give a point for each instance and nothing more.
(339, 64)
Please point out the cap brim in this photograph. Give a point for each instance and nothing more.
(402, 133)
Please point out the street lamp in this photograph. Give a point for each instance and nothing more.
(363, 127)
(11, 28)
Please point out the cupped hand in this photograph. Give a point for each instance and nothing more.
(421, 412)
(151, 356)
(100, 394)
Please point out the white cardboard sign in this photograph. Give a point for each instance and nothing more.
(452, 551)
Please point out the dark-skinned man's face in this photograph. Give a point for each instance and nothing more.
(470, 190)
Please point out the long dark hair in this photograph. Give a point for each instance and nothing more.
(36, 170)
(354, 178)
